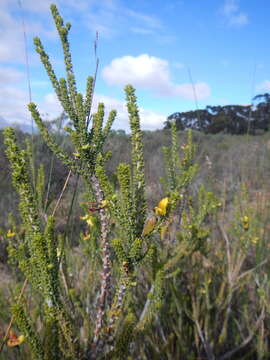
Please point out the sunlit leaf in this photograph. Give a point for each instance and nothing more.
(149, 225)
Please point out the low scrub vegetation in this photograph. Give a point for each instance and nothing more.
(109, 259)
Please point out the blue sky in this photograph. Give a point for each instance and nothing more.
(171, 51)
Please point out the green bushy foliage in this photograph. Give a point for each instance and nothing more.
(165, 282)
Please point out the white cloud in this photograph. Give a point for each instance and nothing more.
(264, 86)
(233, 15)
(13, 109)
(9, 75)
(108, 17)
(11, 45)
(13, 106)
(13, 98)
(152, 73)
(38, 22)
(150, 120)
(144, 71)
(12, 48)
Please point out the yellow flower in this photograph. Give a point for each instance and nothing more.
(10, 234)
(246, 226)
(149, 225)
(255, 240)
(13, 340)
(245, 222)
(103, 203)
(162, 207)
(86, 236)
(89, 219)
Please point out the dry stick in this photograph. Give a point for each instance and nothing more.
(206, 345)
(63, 274)
(71, 207)
(195, 316)
(62, 193)
(106, 270)
(146, 305)
(12, 317)
(51, 169)
(53, 213)
(28, 85)
(252, 95)
(230, 277)
(248, 339)
(195, 97)
(115, 312)
(228, 252)
(194, 93)
(26, 57)
(95, 77)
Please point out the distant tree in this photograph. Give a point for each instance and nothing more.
(231, 119)
(262, 111)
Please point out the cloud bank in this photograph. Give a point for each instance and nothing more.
(150, 73)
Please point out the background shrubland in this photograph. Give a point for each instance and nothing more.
(161, 252)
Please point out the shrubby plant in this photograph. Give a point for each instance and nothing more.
(139, 282)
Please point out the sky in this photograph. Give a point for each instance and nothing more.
(179, 55)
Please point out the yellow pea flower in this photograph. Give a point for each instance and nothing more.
(103, 203)
(162, 207)
(149, 225)
(13, 340)
(10, 234)
(255, 240)
(86, 236)
(89, 219)
(246, 226)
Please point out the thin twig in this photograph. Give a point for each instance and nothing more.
(206, 345)
(229, 354)
(146, 305)
(28, 85)
(62, 193)
(225, 236)
(95, 78)
(51, 166)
